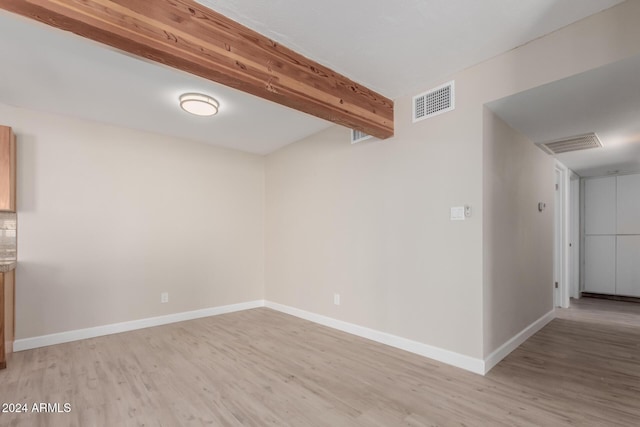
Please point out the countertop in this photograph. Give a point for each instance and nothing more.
(6, 266)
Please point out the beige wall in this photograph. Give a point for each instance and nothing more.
(108, 218)
(518, 239)
(370, 221)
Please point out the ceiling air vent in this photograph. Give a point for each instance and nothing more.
(433, 102)
(572, 143)
(358, 136)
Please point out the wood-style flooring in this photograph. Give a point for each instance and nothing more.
(264, 368)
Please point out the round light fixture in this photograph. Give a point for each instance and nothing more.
(199, 104)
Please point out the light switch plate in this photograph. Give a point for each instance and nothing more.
(457, 213)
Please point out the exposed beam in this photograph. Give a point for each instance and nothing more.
(190, 37)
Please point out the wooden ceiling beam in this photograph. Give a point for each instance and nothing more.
(190, 37)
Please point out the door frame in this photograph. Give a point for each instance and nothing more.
(575, 240)
(561, 239)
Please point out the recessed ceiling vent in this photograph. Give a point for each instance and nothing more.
(572, 143)
(433, 102)
(358, 136)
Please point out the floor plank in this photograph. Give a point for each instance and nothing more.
(260, 368)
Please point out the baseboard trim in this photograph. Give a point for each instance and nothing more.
(441, 355)
(503, 351)
(452, 358)
(80, 334)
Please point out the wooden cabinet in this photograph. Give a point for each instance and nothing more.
(3, 355)
(7, 169)
(7, 204)
(7, 315)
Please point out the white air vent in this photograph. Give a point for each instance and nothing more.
(358, 136)
(572, 143)
(433, 102)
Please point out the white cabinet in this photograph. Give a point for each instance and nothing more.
(628, 266)
(628, 204)
(600, 206)
(600, 264)
(612, 235)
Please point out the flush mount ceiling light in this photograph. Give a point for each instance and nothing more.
(199, 104)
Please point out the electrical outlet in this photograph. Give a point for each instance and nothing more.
(336, 299)
(164, 297)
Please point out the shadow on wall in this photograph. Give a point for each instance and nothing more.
(34, 285)
(27, 160)
(517, 237)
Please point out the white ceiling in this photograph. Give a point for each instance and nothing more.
(54, 71)
(396, 48)
(605, 100)
(404, 46)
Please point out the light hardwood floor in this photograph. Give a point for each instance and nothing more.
(261, 367)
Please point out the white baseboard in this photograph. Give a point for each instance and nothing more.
(80, 334)
(494, 358)
(445, 356)
(468, 363)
